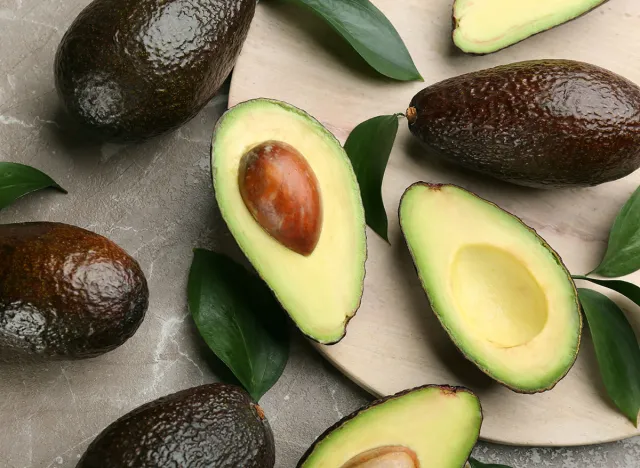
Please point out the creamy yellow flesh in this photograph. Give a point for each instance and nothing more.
(499, 291)
(484, 26)
(322, 290)
(440, 428)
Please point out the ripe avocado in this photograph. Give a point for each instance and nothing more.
(289, 195)
(429, 426)
(541, 123)
(66, 292)
(499, 290)
(132, 69)
(210, 426)
(486, 26)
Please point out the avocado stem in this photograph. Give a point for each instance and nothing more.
(412, 115)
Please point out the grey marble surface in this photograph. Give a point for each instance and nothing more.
(155, 200)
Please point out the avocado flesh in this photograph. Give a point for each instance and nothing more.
(214, 426)
(486, 26)
(321, 291)
(66, 293)
(437, 425)
(501, 293)
(539, 123)
(128, 70)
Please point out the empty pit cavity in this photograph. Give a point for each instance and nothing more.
(497, 296)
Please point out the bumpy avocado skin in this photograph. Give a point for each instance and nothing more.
(211, 426)
(543, 123)
(132, 69)
(66, 293)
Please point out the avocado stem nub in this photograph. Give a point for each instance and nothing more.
(412, 115)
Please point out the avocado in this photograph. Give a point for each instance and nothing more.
(132, 69)
(66, 292)
(210, 426)
(486, 26)
(428, 426)
(288, 193)
(499, 290)
(540, 123)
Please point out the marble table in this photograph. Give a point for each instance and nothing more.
(155, 200)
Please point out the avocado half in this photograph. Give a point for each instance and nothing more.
(499, 290)
(321, 290)
(486, 26)
(429, 426)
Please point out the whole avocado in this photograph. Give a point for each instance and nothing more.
(541, 123)
(132, 69)
(66, 292)
(213, 426)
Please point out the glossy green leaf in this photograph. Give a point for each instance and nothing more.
(617, 351)
(625, 288)
(239, 319)
(18, 180)
(370, 33)
(476, 464)
(623, 252)
(369, 146)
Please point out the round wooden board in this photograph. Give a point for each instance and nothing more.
(395, 341)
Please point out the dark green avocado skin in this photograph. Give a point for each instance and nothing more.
(543, 123)
(211, 426)
(66, 293)
(132, 69)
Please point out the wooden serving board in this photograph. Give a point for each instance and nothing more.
(395, 341)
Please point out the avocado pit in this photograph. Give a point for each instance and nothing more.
(393, 456)
(281, 191)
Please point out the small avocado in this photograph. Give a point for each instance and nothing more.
(210, 426)
(429, 426)
(132, 69)
(540, 123)
(289, 195)
(499, 290)
(486, 26)
(66, 292)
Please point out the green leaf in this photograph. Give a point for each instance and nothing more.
(623, 252)
(239, 319)
(18, 180)
(617, 351)
(369, 146)
(370, 33)
(625, 288)
(476, 464)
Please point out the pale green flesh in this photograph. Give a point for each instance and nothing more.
(485, 26)
(322, 291)
(498, 290)
(440, 427)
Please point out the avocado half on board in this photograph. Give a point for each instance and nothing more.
(499, 290)
(425, 427)
(486, 26)
(288, 193)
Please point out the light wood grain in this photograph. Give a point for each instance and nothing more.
(395, 341)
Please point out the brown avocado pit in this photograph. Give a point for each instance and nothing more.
(281, 191)
(394, 456)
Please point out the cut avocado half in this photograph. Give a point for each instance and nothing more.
(501, 293)
(430, 426)
(289, 195)
(486, 26)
